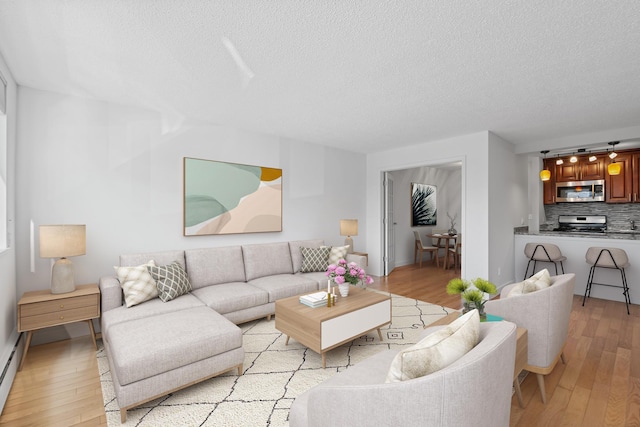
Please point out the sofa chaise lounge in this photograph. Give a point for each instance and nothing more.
(156, 347)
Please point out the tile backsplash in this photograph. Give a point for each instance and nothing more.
(618, 215)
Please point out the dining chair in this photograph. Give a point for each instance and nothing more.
(419, 249)
(455, 252)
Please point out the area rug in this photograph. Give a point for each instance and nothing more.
(274, 374)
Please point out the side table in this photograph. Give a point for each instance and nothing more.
(42, 309)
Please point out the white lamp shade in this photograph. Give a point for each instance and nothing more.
(348, 227)
(61, 241)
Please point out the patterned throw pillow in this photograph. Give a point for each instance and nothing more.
(314, 259)
(137, 284)
(437, 350)
(337, 253)
(171, 280)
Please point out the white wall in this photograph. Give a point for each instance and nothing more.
(508, 206)
(448, 199)
(119, 171)
(473, 151)
(8, 290)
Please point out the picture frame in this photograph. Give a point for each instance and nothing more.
(230, 198)
(423, 205)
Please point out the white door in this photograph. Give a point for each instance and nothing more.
(389, 260)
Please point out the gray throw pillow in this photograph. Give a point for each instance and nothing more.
(171, 280)
(314, 259)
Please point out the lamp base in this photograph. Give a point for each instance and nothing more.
(349, 241)
(62, 280)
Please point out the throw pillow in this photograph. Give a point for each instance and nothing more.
(437, 350)
(337, 253)
(314, 259)
(171, 280)
(538, 281)
(137, 284)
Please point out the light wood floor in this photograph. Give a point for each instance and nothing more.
(599, 385)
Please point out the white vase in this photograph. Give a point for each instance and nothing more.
(344, 289)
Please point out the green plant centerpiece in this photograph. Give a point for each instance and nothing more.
(473, 296)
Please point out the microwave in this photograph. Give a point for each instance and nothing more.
(580, 191)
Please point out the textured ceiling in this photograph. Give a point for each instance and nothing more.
(364, 75)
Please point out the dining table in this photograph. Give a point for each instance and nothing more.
(446, 237)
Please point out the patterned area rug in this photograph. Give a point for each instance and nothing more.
(274, 374)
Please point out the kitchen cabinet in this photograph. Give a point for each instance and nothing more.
(582, 170)
(619, 188)
(549, 187)
(635, 177)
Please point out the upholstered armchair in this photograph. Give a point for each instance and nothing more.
(545, 314)
(474, 390)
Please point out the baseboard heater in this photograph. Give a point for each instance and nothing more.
(8, 374)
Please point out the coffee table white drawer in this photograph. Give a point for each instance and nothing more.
(351, 325)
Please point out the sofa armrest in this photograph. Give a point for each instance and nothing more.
(110, 293)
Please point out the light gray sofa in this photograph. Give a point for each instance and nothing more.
(475, 390)
(155, 348)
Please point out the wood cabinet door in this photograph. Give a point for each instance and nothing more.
(567, 172)
(635, 177)
(549, 187)
(619, 187)
(592, 170)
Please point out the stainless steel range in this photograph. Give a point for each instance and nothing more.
(582, 223)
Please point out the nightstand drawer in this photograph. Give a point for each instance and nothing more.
(58, 318)
(63, 304)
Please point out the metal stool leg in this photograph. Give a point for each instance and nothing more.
(625, 288)
(587, 291)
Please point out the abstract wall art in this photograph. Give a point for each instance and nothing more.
(230, 198)
(423, 204)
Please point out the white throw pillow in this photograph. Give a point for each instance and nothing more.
(538, 281)
(437, 350)
(337, 253)
(137, 284)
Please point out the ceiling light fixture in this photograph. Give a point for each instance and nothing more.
(573, 159)
(559, 161)
(592, 158)
(545, 174)
(613, 168)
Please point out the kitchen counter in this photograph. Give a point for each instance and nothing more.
(609, 234)
(574, 246)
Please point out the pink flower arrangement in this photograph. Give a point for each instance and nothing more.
(345, 272)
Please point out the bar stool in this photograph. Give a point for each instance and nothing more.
(607, 258)
(543, 252)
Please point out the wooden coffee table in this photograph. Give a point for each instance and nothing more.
(324, 328)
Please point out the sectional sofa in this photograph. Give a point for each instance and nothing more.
(156, 347)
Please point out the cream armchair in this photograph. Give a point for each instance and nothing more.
(452, 396)
(545, 314)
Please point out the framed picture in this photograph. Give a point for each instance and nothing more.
(423, 204)
(230, 198)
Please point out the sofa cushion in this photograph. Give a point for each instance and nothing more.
(148, 309)
(171, 280)
(229, 297)
(137, 284)
(314, 259)
(284, 285)
(296, 254)
(437, 350)
(212, 266)
(160, 258)
(146, 347)
(266, 260)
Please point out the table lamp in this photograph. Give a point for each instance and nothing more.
(349, 227)
(62, 241)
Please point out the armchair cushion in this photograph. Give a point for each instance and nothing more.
(540, 280)
(437, 350)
